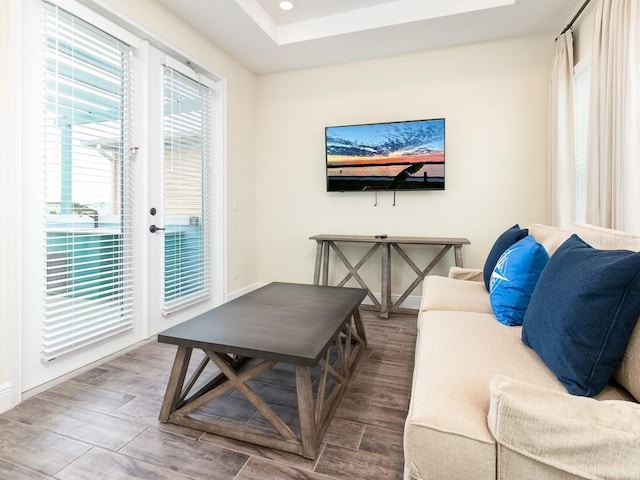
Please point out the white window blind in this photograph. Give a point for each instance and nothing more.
(88, 271)
(187, 129)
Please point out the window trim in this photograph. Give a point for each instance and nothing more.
(14, 194)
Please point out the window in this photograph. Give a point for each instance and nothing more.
(581, 84)
(87, 222)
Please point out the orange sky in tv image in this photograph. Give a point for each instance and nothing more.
(339, 160)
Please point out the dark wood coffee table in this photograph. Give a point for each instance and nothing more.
(303, 325)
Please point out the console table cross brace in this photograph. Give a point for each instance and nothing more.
(421, 273)
(353, 271)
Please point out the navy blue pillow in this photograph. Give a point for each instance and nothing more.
(504, 241)
(582, 313)
(514, 278)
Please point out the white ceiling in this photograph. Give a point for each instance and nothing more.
(320, 32)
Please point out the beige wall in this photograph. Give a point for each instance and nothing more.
(241, 126)
(494, 99)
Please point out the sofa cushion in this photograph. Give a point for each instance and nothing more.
(514, 278)
(504, 241)
(582, 313)
(628, 373)
(550, 237)
(444, 293)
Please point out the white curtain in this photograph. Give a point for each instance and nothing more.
(561, 154)
(613, 194)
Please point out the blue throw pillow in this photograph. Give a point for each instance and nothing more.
(514, 278)
(582, 313)
(504, 241)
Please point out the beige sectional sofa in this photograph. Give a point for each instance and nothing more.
(485, 406)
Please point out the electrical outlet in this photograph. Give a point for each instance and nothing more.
(235, 273)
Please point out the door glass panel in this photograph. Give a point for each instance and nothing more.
(186, 125)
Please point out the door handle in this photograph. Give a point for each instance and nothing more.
(154, 229)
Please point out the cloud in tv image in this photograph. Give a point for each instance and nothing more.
(386, 156)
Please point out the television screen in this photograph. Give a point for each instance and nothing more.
(386, 156)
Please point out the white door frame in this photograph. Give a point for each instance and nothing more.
(13, 309)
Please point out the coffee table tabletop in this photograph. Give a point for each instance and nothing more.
(307, 326)
(287, 322)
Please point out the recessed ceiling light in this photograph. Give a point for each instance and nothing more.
(287, 4)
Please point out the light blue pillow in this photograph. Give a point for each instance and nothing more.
(514, 279)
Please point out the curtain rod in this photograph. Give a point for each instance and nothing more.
(575, 17)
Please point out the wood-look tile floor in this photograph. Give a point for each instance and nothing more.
(103, 424)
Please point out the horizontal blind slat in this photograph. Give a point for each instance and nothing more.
(51, 353)
(71, 324)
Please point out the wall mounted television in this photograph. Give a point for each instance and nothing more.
(407, 155)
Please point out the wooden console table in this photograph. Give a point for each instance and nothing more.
(385, 305)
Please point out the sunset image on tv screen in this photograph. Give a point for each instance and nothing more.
(386, 156)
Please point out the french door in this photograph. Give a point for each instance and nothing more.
(179, 218)
(117, 202)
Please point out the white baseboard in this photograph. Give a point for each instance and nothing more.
(244, 291)
(5, 397)
(85, 368)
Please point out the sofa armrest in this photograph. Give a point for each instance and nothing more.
(459, 273)
(581, 436)
(451, 294)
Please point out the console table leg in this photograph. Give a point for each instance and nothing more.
(316, 272)
(457, 252)
(385, 287)
(325, 263)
